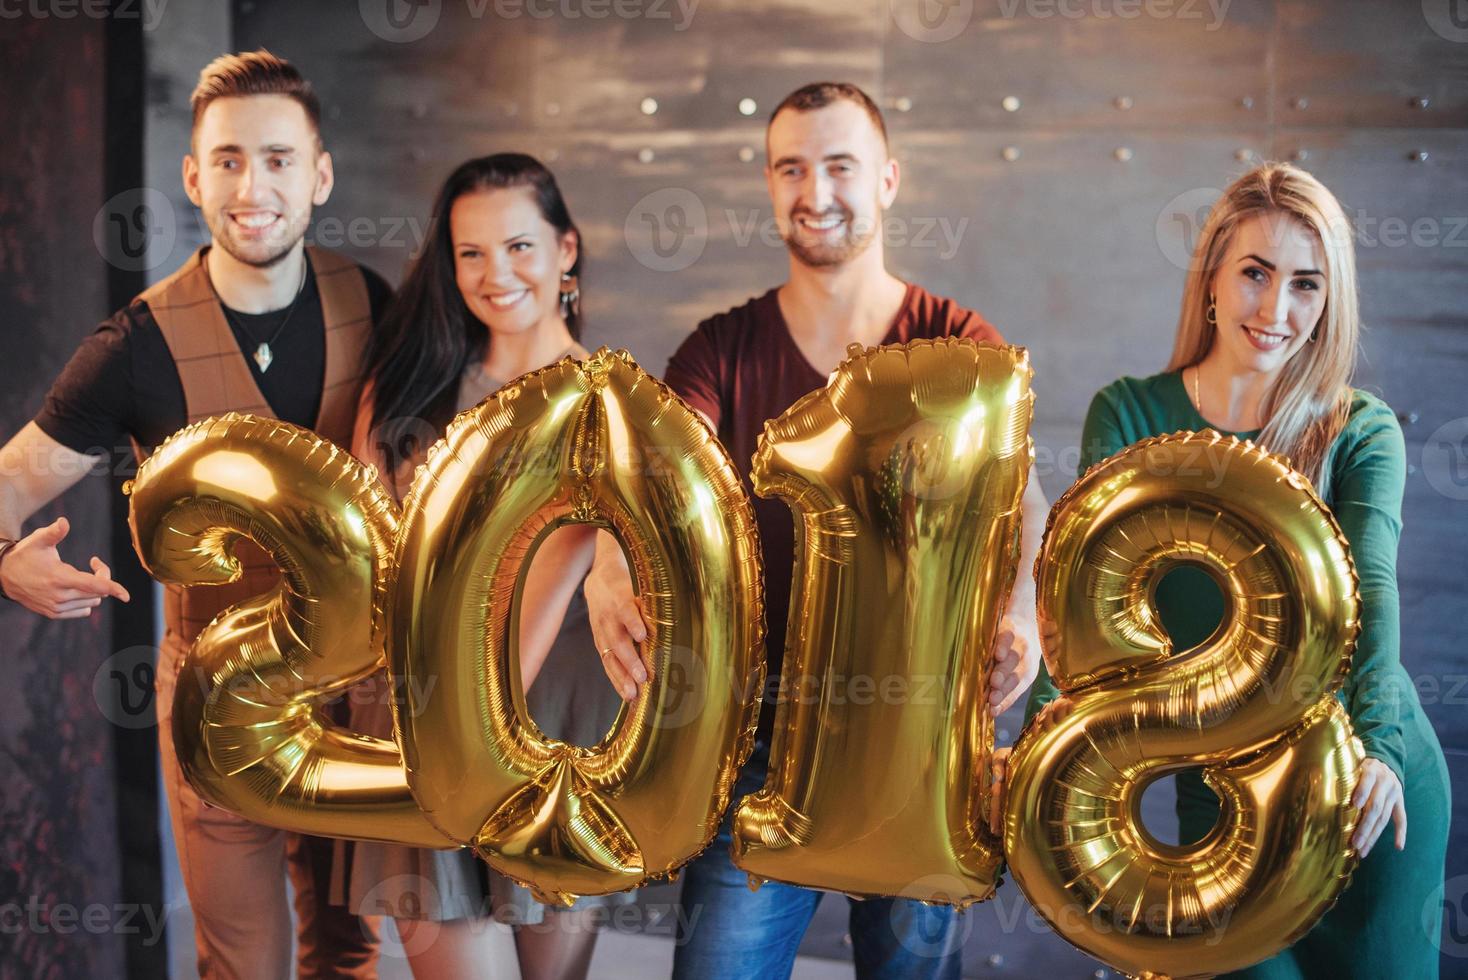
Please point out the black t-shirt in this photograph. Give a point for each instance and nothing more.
(122, 381)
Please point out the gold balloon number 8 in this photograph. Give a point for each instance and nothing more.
(1253, 706)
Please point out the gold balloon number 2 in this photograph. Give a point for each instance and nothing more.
(437, 596)
(1253, 706)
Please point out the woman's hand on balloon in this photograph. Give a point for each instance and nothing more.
(999, 768)
(1016, 660)
(617, 623)
(1379, 798)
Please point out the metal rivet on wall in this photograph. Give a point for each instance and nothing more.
(1122, 153)
(1243, 154)
(649, 106)
(746, 154)
(1300, 155)
(1010, 153)
(1421, 102)
(1247, 102)
(1100, 975)
(1300, 102)
(748, 107)
(1122, 102)
(1010, 103)
(994, 960)
(903, 104)
(645, 155)
(552, 108)
(1417, 156)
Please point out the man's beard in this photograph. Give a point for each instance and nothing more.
(828, 254)
(264, 253)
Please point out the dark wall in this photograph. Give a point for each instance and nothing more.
(62, 911)
(1058, 158)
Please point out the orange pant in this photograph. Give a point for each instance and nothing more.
(235, 873)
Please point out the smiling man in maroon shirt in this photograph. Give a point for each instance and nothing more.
(830, 178)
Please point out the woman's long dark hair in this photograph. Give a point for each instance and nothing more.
(427, 336)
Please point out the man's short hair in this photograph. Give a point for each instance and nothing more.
(818, 95)
(254, 73)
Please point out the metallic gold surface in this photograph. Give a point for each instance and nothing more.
(250, 733)
(1253, 706)
(905, 474)
(596, 442)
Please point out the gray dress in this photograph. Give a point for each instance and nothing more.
(571, 700)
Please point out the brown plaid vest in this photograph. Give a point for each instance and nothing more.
(216, 379)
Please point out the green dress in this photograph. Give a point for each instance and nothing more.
(1379, 927)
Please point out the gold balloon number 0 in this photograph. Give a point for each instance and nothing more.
(596, 442)
(1253, 706)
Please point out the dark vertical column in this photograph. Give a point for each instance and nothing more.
(129, 679)
(61, 911)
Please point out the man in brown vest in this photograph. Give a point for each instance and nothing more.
(254, 322)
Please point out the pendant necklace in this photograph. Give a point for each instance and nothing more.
(263, 355)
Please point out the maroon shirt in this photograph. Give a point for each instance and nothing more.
(743, 369)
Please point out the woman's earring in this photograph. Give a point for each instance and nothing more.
(1212, 313)
(1313, 334)
(570, 295)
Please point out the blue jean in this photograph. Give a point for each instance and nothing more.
(727, 932)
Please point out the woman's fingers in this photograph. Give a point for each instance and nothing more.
(1399, 819)
(1372, 820)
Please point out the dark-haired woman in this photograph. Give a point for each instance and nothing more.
(1265, 348)
(493, 295)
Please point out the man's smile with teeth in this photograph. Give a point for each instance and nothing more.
(254, 219)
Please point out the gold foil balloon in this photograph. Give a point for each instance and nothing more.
(247, 721)
(905, 474)
(1253, 706)
(597, 442)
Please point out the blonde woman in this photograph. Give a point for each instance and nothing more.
(1266, 346)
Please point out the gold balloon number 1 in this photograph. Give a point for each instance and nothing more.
(905, 475)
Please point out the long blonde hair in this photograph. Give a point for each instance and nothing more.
(1308, 404)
